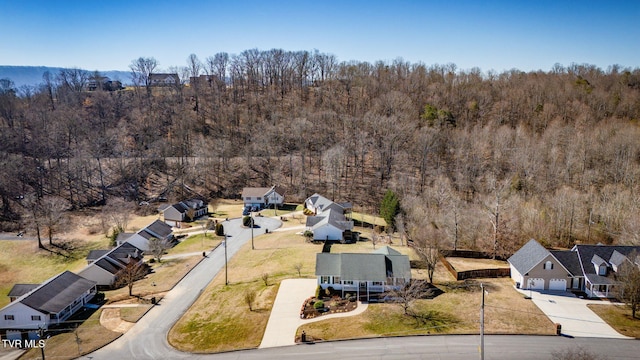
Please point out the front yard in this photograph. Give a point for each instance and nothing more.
(619, 318)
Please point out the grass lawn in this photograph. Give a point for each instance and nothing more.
(22, 262)
(195, 243)
(133, 314)
(466, 264)
(90, 336)
(368, 219)
(220, 319)
(619, 318)
(456, 311)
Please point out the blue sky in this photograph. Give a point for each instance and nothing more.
(492, 35)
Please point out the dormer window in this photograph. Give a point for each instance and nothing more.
(602, 270)
(548, 265)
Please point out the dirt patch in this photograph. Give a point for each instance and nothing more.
(110, 319)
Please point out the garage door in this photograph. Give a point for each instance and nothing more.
(558, 284)
(536, 284)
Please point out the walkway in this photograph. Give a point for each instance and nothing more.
(573, 315)
(285, 320)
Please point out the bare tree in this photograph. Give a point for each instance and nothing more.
(265, 279)
(158, 247)
(141, 70)
(52, 211)
(131, 273)
(250, 298)
(406, 295)
(628, 288)
(298, 267)
(33, 210)
(116, 214)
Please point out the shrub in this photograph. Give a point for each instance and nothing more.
(219, 229)
(318, 291)
(329, 290)
(308, 234)
(318, 304)
(246, 221)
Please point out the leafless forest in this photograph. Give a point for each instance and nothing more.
(479, 160)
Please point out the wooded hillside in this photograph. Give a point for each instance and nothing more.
(477, 159)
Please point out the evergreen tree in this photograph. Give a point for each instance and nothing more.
(389, 208)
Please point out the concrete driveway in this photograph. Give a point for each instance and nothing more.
(573, 315)
(285, 314)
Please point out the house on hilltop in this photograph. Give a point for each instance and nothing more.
(45, 305)
(363, 274)
(162, 79)
(588, 268)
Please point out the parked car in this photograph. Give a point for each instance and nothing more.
(246, 210)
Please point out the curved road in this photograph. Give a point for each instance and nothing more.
(148, 338)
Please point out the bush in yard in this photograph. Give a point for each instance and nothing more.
(308, 234)
(318, 304)
(219, 229)
(246, 221)
(318, 291)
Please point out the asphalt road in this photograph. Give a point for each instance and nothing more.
(148, 338)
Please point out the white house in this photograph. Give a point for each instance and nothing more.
(263, 197)
(50, 303)
(329, 221)
(363, 274)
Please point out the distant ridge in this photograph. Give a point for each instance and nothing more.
(32, 75)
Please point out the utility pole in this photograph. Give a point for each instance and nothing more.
(226, 279)
(482, 323)
(252, 247)
(41, 336)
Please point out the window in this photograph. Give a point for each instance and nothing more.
(602, 270)
(324, 279)
(35, 317)
(336, 279)
(548, 265)
(9, 317)
(348, 282)
(377, 283)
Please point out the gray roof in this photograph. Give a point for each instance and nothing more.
(319, 201)
(255, 191)
(386, 250)
(20, 289)
(96, 254)
(115, 259)
(57, 293)
(159, 229)
(363, 267)
(588, 253)
(530, 255)
(568, 259)
(107, 265)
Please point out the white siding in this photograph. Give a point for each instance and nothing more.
(327, 232)
(516, 276)
(21, 317)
